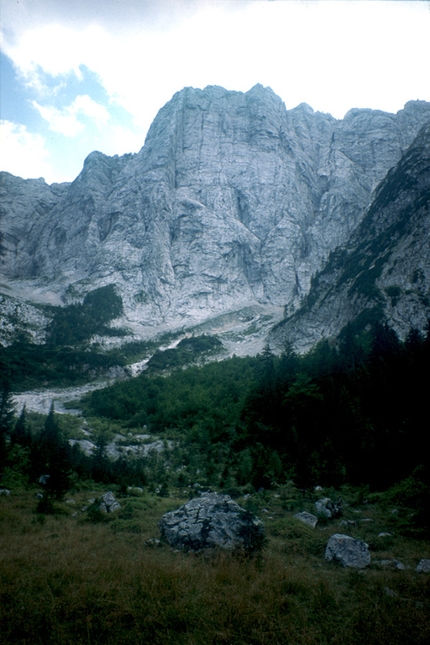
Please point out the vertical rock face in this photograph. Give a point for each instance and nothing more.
(24, 206)
(383, 272)
(233, 200)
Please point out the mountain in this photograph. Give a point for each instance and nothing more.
(383, 272)
(232, 205)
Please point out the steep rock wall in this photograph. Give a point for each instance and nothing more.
(233, 200)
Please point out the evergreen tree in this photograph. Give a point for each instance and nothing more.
(267, 374)
(289, 364)
(53, 457)
(7, 411)
(100, 465)
(21, 434)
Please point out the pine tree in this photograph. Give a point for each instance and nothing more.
(268, 373)
(53, 457)
(21, 434)
(7, 411)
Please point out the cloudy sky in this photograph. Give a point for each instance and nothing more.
(83, 75)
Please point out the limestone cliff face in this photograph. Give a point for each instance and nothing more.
(383, 272)
(24, 206)
(233, 200)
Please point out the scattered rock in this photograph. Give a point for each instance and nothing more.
(347, 523)
(108, 503)
(153, 542)
(423, 566)
(212, 520)
(393, 564)
(390, 592)
(347, 551)
(307, 518)
(328, 508)
(318, 489)
(70, 501)
(87, 447)
(384, 535)
(4, 491)
(135, 490)
(44, 479)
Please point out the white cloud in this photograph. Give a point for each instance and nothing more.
(119, 140)
(332, 55)
(66, 121)
(326, 53)
(25, 154)
(59, 120)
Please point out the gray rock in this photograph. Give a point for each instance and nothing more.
(233, 201)
(423, 566)
(5, 491)
(392, 564)
(108, 503)
(399, 284)
(44, 479)
(212, 520)
(327, 508)
(347, 551)
(307, 518)
(135, 490)
(87, 447)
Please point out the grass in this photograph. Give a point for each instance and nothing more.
(66, 580)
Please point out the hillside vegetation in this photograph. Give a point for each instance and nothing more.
(266, 430)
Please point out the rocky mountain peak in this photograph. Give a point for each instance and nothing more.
(233, 201)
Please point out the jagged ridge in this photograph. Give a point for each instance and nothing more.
(233, 201)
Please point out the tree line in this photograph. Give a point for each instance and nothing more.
(350, 412)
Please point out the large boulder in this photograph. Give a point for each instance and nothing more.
(108, 503)
(212, 520)
(423, 566)
(326, 508)
(307, 518)
(347, 551)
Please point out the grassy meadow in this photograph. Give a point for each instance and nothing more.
(75, 578)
